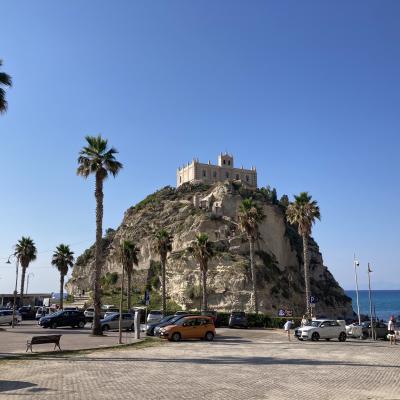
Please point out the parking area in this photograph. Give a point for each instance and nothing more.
(13, 340)
(239, 364)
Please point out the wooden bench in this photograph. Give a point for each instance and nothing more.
(42, 340)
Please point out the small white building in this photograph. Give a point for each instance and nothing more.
(209, 173)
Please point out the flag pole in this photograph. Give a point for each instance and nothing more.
(370, 302)
(356, 264)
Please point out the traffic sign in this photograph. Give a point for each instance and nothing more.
(313, 299)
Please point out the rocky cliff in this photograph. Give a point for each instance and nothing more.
(213, 209)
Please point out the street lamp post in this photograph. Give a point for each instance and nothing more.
(370, 302)
(16, 285)
(356, 264)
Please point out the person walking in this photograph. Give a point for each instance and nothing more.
(392, 330)
(287, 327)
(304, 321)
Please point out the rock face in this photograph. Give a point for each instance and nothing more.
(213, 209)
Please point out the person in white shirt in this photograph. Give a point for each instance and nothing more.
(287, 327)
(391, 329)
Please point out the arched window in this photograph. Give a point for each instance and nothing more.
(227, 174)
(180, 179)
(215, 174)
(224, 162)
(247, 178)
(204, 173)
(229, 162)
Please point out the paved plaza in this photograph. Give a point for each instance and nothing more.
(239, 364)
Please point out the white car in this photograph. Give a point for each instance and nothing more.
(322, 329)
(154, 316)
(6, 317)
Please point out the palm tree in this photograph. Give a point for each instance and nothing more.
(5, 80)
(303, 212)
(250, 215)
(202, 251)
(130, 258)
(26, 252)
(163, 247)
(63, 258)
(128, 255)
(96, 158)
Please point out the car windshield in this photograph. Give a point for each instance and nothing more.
(238, 314)
(57, 313)
(167, 318)
(314, 323)
(108, 317)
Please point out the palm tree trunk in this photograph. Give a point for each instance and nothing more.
(61, 291)
(253, 276)
(96, 329)
(306, 277)
(21, 296)
(164, 291)
(204, 284)
(129, 273)
(120, 306)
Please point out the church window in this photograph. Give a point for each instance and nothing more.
(224, 162)
(237, 176)
(247, 178)
(180, 179)
(227, 174)
(229, 162)
(204, 172)
(215, 174)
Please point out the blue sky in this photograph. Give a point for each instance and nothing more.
(306, 91)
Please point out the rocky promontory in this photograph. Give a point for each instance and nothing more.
(194, 208)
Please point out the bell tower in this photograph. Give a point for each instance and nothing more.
(225, 160)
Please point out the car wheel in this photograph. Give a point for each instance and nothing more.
(10, 323)
(53, 325)
(176, 337)
(105, 328)
(299, 338)
(81, 325)
(209, 336)
(315, 336)
(342, 337)
(328, 339)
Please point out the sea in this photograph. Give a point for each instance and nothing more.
(384, 303)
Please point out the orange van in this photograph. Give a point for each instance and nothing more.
(194, 327)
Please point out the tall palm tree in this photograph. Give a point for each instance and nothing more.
(250, 215)
(202, 251)
(129, 259)
(96, 158)
(63, 258)
(26, 252)
(128, 256)
(163, 247)
(5, 80)
(303, 212)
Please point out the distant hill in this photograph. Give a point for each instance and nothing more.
(280, 278)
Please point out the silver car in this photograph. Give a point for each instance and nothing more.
(6, 317)
(112, 322)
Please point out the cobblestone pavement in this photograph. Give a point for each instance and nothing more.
(238, 365)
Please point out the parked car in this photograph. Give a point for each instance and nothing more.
(238, 319)
(43, 311)
(63, 318)
(172, 321)
(89, 314)
(6, 317)
(112, 322)
(71, 309)
(154, 316)
(111, 311)
(192, 327)
(380, 329)
(322, 329)
(354, 330)
(27, 312)
(151, 326)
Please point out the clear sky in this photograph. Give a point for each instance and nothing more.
(307, 91)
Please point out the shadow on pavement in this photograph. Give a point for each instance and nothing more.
(6, 386)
